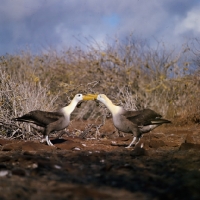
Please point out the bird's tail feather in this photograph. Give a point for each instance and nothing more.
(21, 119)
(160, 121)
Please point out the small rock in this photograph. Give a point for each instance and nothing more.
(34, 166)
(113, 143)
(4, 173)
(77, 149)
(57, 167)
(102, 161)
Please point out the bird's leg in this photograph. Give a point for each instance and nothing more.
(48, 141)
(46, 136)
(134, 141)
(136, 136)
(142, 144)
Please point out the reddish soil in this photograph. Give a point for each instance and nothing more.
(167, 167)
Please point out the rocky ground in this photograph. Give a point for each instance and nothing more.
(167, 167)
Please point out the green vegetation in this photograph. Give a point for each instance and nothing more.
(130, 73)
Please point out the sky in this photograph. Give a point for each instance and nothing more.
(42, 24)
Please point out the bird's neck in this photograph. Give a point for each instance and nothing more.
(114, 109)
(67, 110)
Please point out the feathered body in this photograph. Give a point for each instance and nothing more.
(44, 118)
(136, 122)
(52, 121)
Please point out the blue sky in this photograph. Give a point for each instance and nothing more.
(58, 24)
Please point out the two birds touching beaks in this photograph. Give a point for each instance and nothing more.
(135, 122)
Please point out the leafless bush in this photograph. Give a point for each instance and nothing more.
(129, 72)
(17, 99)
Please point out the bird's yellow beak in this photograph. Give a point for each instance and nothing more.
(90, 97)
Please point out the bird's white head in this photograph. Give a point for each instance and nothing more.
(102, 98)
(78, 97)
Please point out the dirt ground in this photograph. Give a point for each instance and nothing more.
(167, 167)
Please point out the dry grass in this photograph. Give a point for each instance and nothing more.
(129, 72)
(18, 98)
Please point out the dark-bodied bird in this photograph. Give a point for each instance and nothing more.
(53, 121)
(135, 122)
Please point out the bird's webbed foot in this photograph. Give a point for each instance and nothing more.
(47, 140)
(134, 142)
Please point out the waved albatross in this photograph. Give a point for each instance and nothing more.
(53, 121)
(135, 122)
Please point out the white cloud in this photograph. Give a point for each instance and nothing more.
(190, 23)
(62, 23)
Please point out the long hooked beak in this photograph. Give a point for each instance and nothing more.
(90, 97)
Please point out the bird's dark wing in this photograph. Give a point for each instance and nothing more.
(40, 118)
(129, 114)
(142, 117)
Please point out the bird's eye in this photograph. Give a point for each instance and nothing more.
(79, 95)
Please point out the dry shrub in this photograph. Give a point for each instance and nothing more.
(18, 98)
(129, 72)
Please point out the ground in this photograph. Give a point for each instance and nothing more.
(167, 167)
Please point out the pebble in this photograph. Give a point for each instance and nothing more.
(4, 173)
